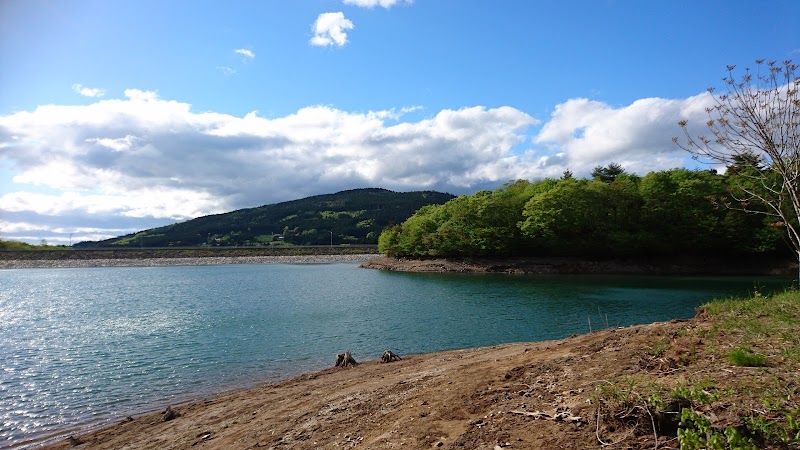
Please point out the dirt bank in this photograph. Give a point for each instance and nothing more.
(556, 265)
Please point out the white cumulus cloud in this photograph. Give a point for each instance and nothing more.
(373, 3)
(638, 136)
(329, 29)
(88, 92)
(143, 161)
(157, 161)
(246, 53)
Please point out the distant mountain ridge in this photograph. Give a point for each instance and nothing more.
(354, 216)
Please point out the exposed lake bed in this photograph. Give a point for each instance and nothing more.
(574, 265)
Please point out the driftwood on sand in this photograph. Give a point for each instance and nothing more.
(345, 360)
(169, 414)
(389, 356)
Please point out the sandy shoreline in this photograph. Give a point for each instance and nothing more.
(480, 398)
(199, 261)
(586, 391)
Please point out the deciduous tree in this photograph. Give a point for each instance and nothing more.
(754, 128)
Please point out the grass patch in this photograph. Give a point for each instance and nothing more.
(704, 403)
(745, 357)
(763, 326)
(780, 309)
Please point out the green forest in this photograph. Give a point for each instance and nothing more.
(355, 216)
(675, 212)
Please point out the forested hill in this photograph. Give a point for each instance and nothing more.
(349, 217)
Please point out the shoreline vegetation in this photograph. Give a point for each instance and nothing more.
(725, 379)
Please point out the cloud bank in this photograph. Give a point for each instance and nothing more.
(120, 165)
(329, 29)
(638, 136)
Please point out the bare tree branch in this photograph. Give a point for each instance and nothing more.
(754, 131)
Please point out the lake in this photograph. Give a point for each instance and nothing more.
(92, 345)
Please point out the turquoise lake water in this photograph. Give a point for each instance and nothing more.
(85, 346)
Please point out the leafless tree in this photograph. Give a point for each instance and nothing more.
(753, 128)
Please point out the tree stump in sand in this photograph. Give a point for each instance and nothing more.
(345, 360)
(389, 356)
(169, 414)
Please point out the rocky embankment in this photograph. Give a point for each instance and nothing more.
(200, 261)
(179, 257)
(556, 265)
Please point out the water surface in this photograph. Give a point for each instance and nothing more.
(88, 345)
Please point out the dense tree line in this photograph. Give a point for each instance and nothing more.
(614, 214)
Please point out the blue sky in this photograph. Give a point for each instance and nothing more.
(117, 116)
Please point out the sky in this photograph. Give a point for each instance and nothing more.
(121, 115)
